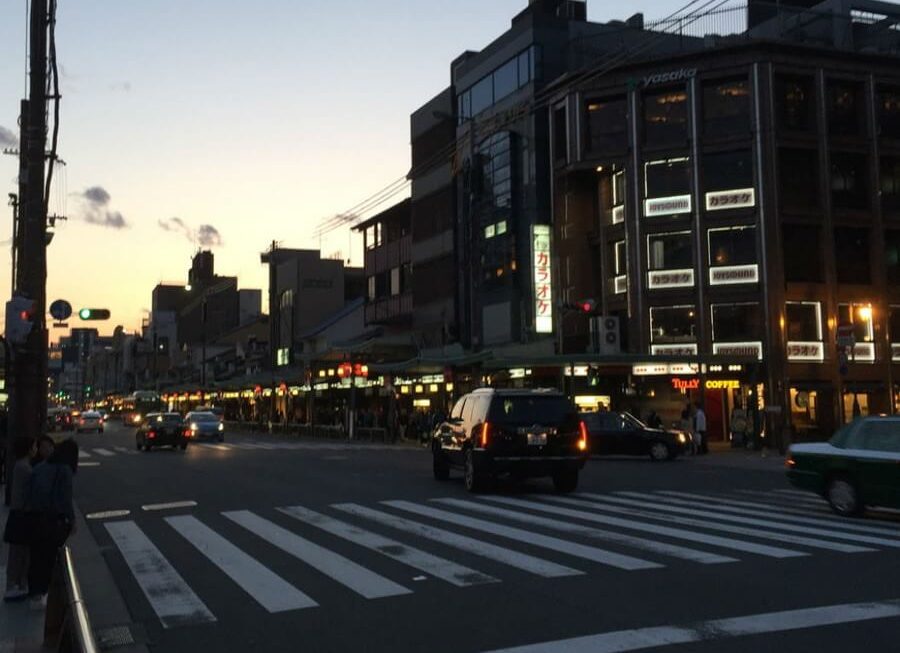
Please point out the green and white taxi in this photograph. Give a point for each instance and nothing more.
(858, 467)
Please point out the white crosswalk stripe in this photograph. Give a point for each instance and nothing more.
(129, 452)
(451, 572)
(269, 590)
(104, 452)
(500, 554)
(602, 556)
(83, 454)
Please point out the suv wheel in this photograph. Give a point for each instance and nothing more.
(474, 481)
(659, 451)
(566, 480)
(843, 497)
(440, 467)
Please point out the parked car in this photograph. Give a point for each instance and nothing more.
(858, 467)
(203, 424)
(89, 420)
(60, 419)
(162, 430)
(623, 434)
(524, 433)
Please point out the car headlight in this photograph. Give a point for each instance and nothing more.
(221, 427)
(193, 427)
(682, 438)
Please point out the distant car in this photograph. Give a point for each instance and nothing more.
(104, 416)
(218, 411)
(623, 434)
(162, 430)
(203, 424)
(518, 432)
(858, 467)
(89, 420)
(60, 419)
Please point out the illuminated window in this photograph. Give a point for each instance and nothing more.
(666, 116)
(804, 321)
(669, 251)
(672, 324)
(861, 317)
(732, 246)
(607, 124)
(726, 107)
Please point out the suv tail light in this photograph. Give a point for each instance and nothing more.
(582, 436)
(485, 433)
(151, 434)
(789, 462)
(188, 433)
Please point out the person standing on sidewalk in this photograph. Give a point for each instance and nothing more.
(700, 429)
(15, 534)
(50, 502)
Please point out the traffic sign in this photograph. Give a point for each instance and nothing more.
(60, 310)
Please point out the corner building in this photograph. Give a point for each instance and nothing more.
(737, 203)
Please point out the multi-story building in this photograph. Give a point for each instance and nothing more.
(737, 203)
(387, 266)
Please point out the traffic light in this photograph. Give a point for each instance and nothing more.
(94, 314)
(19, 319)
(583, 306)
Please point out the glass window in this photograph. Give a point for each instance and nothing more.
(672, 324)
(846, 108)
(482, 95)
(607, 124)
(849, 180)
(728, 170)
(666, 117)
(669, 251)
(619, 261)
(560, 135)
(732, 246)
(457, 411)
(524, 68)
(528, 409)
(395, 281)
(370, 285)
(795, 103)
(726, 108)
(501, 227)
(798, 179)
(373, 236)
(892, 259)
(804, 321)
(618, 187)
(490, 231)
(861, 317)
(737, 322)
(880, 435)
(667, 177)
(853, 256)
(802, 253)
(890, 183)
(506, 79)
(464, 106)
(889, 111)
(468, 409)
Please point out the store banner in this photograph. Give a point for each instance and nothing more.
(543, 278)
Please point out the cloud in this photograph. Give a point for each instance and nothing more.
(8, 138)
(205, 235)
(121, 87)
(95, 209)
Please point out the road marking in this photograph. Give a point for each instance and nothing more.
(662, 548)
(731, 528)
(499, 554)
(430, 564)
(269, 590)
(623, 641)
(831, 521)
(107, 514)
(220, 447)
(346, 572)
(750, 521)
(125, 451)
(677, 533)
(88, 464)
(594, 554)
(169, 506)
(170, 597)
(104, 452)
(83, 454)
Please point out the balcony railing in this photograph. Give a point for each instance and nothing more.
(389, 309)
(389, 255)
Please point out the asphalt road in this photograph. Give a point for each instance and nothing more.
(274, 544)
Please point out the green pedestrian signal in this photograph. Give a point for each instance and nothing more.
(94, 314)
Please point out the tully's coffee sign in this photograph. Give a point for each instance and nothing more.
(710, 384)
(680, 75)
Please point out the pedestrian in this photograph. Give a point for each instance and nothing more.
(45, 447)
(688, 427)
(653, 420)
(50, 504)
(15, 533)
(700, 429)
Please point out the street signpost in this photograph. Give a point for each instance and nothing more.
(60, 310)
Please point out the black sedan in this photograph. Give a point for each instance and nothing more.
(623, 434)
(162, 430)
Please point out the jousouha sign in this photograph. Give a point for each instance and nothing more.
(679, 75)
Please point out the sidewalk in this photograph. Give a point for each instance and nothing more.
(21, 627)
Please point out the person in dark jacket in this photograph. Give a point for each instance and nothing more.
(17, 560)
(50, 495)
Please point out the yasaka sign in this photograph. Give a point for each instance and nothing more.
(543, 278)
(679, 75)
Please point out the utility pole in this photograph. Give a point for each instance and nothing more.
(31, 360)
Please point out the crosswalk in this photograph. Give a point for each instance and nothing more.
(99, 453)
(285, 557)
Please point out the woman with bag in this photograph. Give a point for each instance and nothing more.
(15, 534)
(51, 514)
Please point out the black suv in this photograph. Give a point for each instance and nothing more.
(519, 432)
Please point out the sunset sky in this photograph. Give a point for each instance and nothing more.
(250, 121)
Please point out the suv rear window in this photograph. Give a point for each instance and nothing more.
(525, 410)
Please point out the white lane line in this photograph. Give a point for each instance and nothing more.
(104, 452)
(88, 464)
(830, 521)
(594, 554)
(169, 506)
(346, 572)
(750, 521)
(241, 445)
(83, 454)
(661, 548)
(840, 522)
(623, 641)
(499, 554)
(756, 533)
(173, 601)
(107, 514)
(269, 590)
(676, 533)
(430, 564)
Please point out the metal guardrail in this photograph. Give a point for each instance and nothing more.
(67, 627)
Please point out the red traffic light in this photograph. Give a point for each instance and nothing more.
(587, 305)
